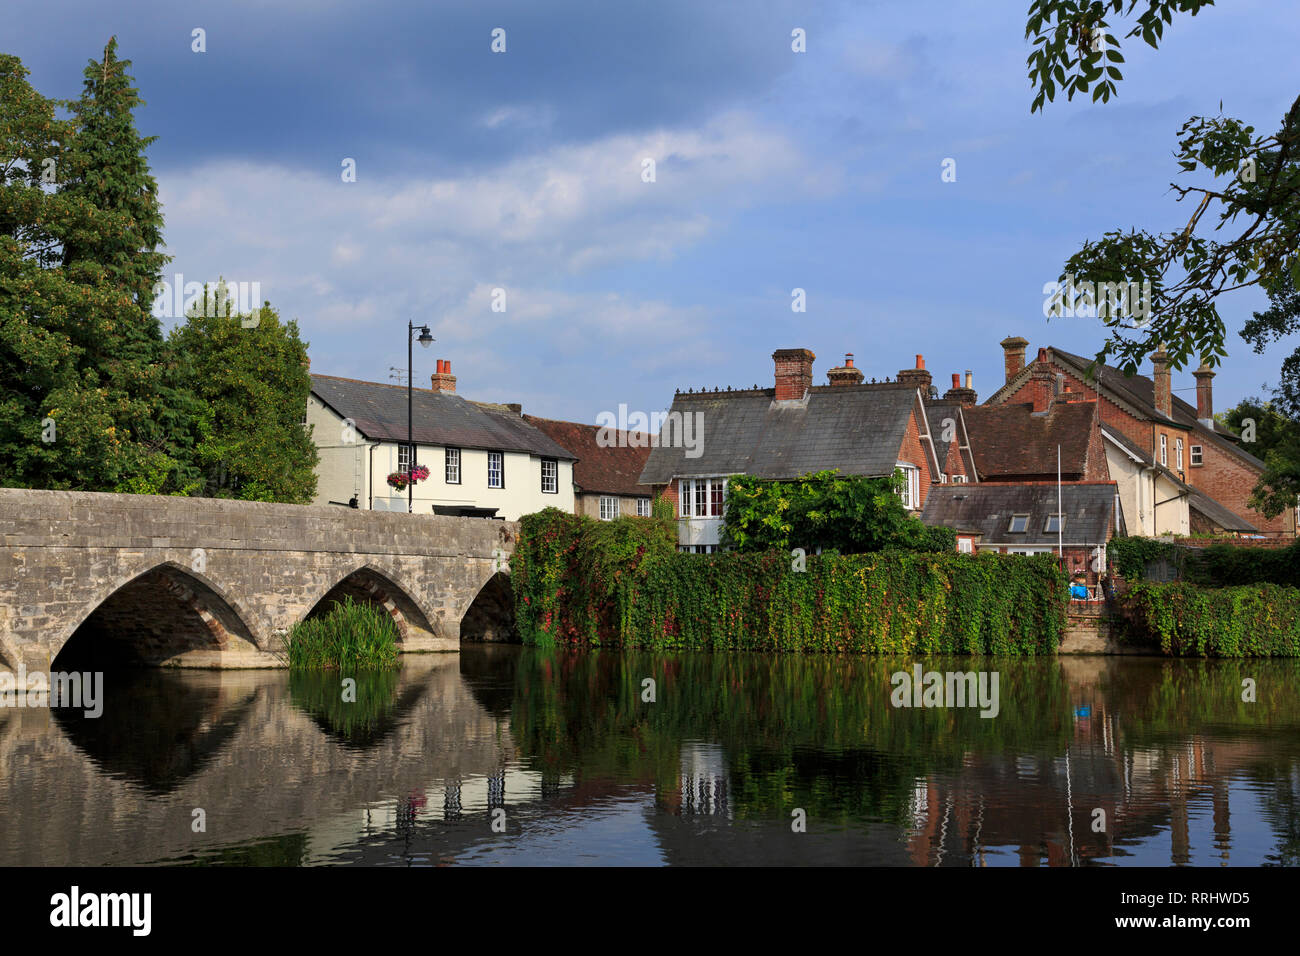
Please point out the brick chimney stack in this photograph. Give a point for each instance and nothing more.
(965, 396)
(1013, 355)
(846, 374)
(443, 380)
(1205, 395)
(1042, 382)
(1164, 389)
(793, 373)
(917, 377)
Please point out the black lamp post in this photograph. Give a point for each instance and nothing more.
(426, 340)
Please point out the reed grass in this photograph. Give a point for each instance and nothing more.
(350, 636)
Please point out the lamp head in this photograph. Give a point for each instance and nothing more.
(425, 338)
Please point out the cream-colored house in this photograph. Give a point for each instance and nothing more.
(1154, 500)
(484, 460)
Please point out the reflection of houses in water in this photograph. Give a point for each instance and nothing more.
(703, 779)
(1042, 809)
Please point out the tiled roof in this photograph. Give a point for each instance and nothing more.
(858, 429)
(615, 470)
(439, 418)
(987, 510)
(1012, 441)
(1139, 391)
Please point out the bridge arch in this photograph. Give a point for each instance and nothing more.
(383, 588)
(154, 615)
(490, 614)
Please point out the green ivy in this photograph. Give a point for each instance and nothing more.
(1259, 620)
(623, 582)
(1219, 565)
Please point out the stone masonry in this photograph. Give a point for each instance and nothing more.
(214, 583)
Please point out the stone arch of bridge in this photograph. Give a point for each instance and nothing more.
(155, 613)
(490, 613)
(383, 588)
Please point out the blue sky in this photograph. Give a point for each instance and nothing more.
(774, 170)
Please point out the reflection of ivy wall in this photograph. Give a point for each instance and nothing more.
(575, 582)
(818, 732)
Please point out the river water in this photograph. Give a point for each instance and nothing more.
(523, 756)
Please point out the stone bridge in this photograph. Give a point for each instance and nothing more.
(201, 582)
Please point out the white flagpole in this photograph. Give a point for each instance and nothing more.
(1060, 509)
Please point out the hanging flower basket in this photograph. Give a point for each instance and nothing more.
(400, 479)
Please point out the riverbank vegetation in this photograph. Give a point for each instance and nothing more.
(580, 581)
(350, 636)
(1188, 620)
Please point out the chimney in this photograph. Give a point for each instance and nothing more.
(1161, 376)
(793, 373)
(964, 396)
(1013, 355)
(1205, 395)
(1042, 382)
(846, 374)
(443, 380)
(916, 377)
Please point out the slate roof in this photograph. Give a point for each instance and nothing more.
(1011, 441)
(1217, 513)
(1139, 391)
(440, 418)
(612, 471)
(987, 509)
(858, 429)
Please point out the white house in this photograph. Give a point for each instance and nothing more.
(484, 460)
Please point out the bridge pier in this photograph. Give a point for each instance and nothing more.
(193, 582)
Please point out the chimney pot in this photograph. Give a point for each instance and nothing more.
(443, 380)
(970, 380)
(848, 360)
(920, 360)
(956, 380)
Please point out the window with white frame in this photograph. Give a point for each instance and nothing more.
(965, 545)
(451, 470)
(1018, 524)
(1178, 453)
(608, 508)
(550, 476)
(701, 497)
(1198, 457)
(959, 479)
(643, 507)
(911, 492)
(1053, 525)
(496, 469)
(1164, 451)
(403, 457)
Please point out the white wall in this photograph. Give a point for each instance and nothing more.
(347, 469)
(1140, 488)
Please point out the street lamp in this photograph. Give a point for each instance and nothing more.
(426, 340)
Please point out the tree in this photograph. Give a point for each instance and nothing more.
(1254, 186)
(1275, 425)
(250, 375)
(84, 390)
(850, 514)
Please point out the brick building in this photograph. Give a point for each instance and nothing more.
(1177, 469)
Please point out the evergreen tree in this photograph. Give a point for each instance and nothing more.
(251, 375)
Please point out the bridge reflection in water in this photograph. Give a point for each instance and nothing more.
(1164, 755)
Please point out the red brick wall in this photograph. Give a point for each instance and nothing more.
(1228, 480)
(1239, 542)
(1097, 469)
(916, 452)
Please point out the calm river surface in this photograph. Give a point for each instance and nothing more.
(520, 756)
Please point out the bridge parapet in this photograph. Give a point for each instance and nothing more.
(245, 571)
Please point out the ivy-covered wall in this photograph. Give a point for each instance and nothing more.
(1187, 620)
(1220, 565)
(623, 583)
